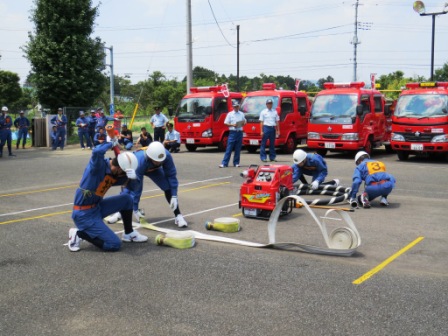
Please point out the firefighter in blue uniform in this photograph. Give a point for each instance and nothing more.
(102, 120)
(92, 126)
(377, 182)
(83, 130)
(157, 164)
(90, 206)
(60, 121)
(312, 165)
(5, 131)
(22, 124)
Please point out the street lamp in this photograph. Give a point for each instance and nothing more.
(419, 7)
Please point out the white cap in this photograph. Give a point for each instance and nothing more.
(5, 109)
(127, 160)
(156, 151)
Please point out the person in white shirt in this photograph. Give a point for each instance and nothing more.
(172, 139)
(235, 120)
(270, 129)
(158, 122)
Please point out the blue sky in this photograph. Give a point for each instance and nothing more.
(304, 39)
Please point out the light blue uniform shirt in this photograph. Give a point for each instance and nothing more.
(159, 120)
(234, 117)
(173, 135)
(269, 117)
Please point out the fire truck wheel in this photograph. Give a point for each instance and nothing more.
(191, 148)
(251, 149)
(389, 149)
(290, 145)
(368, 147)
(223, 143)
(402, 155)
(322, 152)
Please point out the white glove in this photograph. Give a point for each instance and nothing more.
(114, 141)
(173, 203)
(314, 184)
(130, 173)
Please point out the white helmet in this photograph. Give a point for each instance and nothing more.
(127, 160)
(5, 109)
(298, 156)
(156, 151)
(359, 155)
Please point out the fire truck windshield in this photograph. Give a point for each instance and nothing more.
(194, 108)
(422, 105)
(253, 105)
(334, 106)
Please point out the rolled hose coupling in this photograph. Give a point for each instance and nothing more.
(179, 240)
(224, 224)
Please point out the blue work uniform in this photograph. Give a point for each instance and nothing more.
(377, 181)
(83, 131)
(270, 118)
(315, 166)
(99, 136)
(22, 124)
(102, 121)
(164, 176)
(5, 133)
(60, 121)
(235, 139)
(95, 182)
(91, 128)
(159, 121)
(53, 136)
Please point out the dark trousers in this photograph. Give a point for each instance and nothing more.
(159, 134)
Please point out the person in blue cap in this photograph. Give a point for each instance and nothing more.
(60, 121)
(92, 126)
(270, 129)
(5, 131)
(83, 130)
(22, 124)
(102, 120)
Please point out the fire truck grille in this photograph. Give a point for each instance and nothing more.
(331, 136)
(411, 137)
(190, 134)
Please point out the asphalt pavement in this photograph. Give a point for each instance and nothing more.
(395, 284)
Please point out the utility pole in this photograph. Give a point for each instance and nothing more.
(112, 94)
(189, 49)
(355, 42)
(238, 58)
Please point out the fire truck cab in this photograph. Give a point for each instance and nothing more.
(347, 117)
(200, 116)
(293, 109)
(420, 121)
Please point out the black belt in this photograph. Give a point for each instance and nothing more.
(236, 130)
(268, 126)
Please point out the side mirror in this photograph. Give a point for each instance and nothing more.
(208, 110)
(359, 110)
(387, 110)
(170, 111)
(302, 110)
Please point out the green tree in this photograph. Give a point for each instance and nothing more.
(441, 74)
(321, 81)
(10, 90)
(66, 62)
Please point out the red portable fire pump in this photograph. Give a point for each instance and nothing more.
(263, 188)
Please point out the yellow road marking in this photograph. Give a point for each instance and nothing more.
(35, 217)
(65, 212)
(37, 191)
(386, 262)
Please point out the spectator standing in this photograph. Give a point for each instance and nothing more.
(22, 124)
(92, 126)
(377, 182)
(83, 130)
(126, 137)
(60, 121)
(5, 131)
(172, 139)
(144, 139)
(269, 131)
(235, 120)
(158, 122)
(102, 120)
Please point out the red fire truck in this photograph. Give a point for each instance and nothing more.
(348, 117)
(200, 116)
(293, 109)
(420, 121)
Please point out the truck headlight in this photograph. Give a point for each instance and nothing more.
(350, 136)
(440, 138)
(397, 137)
(207, 134)
(313, 135)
